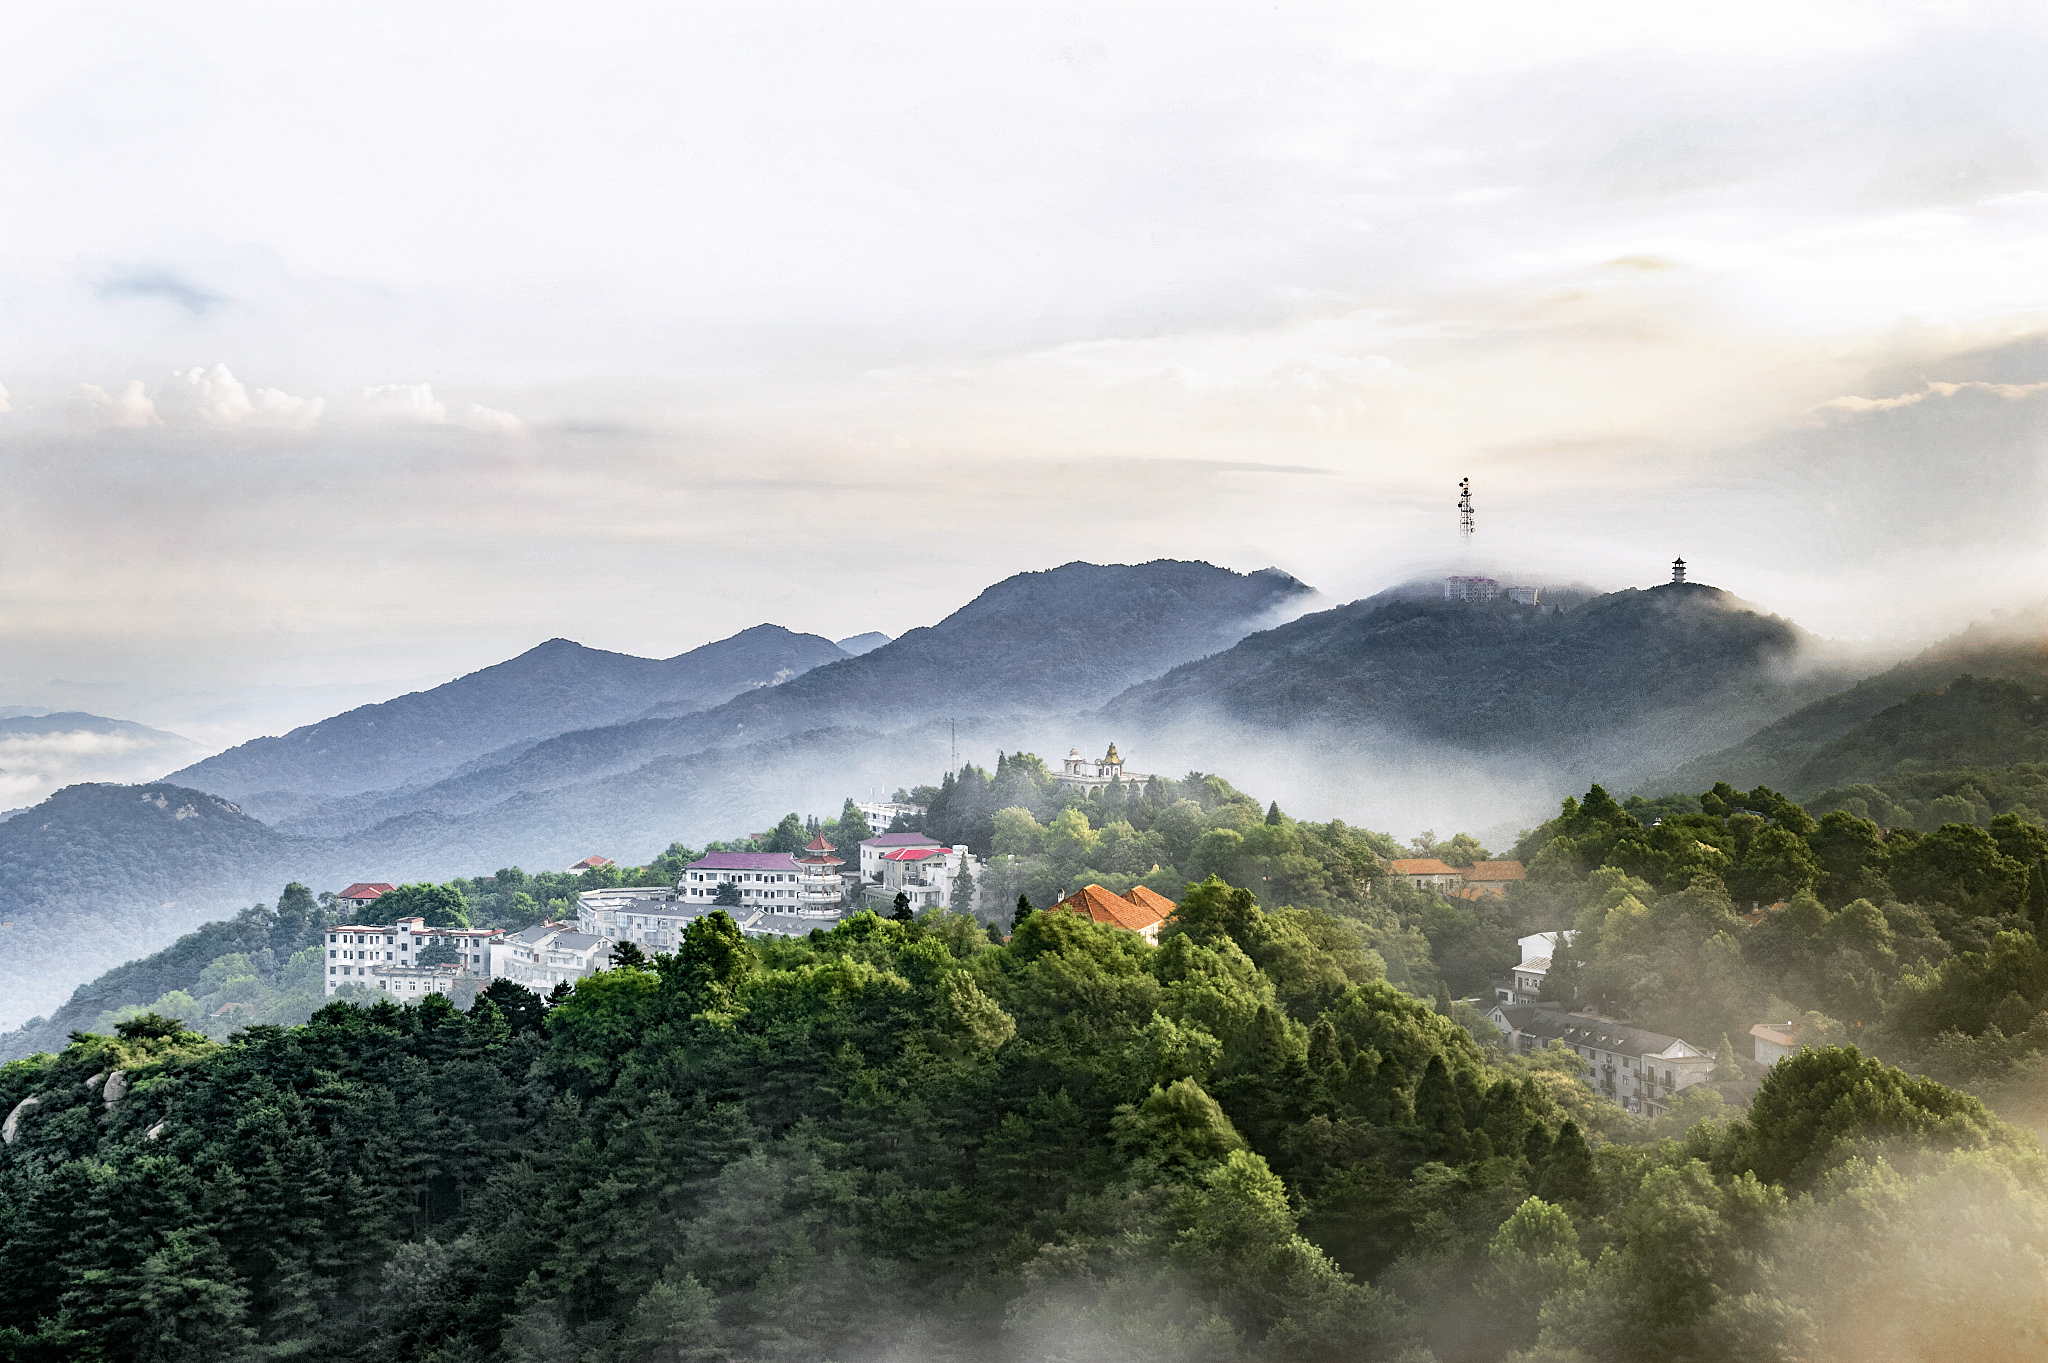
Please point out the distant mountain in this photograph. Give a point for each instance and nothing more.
(547, 690)
(41, 752)
(1054, 642)
(1778, 754)
(863, 643)
(1617, 684)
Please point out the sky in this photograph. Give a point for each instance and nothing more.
(348, 348)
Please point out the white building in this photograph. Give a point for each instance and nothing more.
(651, 918)
(353, 950)
(881, 815)
(1099, 774)
(923, 875)
(548, 954)
(410, 983)
(1773, 1044)
(874, 849)
(1488, 589)
(1526, 982)
(1639, 1070)
(362, 894)
(772, 882)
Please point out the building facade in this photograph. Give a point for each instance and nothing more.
(548, 954)
(923, 875)
(874, 849)
(882, 814)
(1640, 1070)
(1525, 982)
(352, 951)
(1426, 872)
(773, 882)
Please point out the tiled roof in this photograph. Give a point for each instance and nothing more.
(1423, 866)
(591, 861)
(902, 840)
(1495, 870)
(913, 853)
(1153, 900)
(744, 861)
(818, 844)
(366, 890)
(1100, 906)
(1772, 1035)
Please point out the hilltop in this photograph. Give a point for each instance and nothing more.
(1679, 666)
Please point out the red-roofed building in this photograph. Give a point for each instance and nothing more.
(923, 873)
(1425, 871)
(590, 864)
(364, 893)
(1489, 878)
(1141, 910)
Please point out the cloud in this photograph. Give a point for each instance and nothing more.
(5, 405)
(1935, 389)
(165, 285)
(416, 402)
(215, 397)
(131, 409)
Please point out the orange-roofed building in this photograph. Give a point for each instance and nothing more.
(1426, 871)
(1491, 878)
(590, 864)
(1141, 911)
(364, 893)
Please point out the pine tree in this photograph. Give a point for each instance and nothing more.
(1273, 815)
(963, 890)
(1024, 911)
(1724, 1062)
(900, 912)
(1568, 1174)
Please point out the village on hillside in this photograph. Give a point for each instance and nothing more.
(905, 872)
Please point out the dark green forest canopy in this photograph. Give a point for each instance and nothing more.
(908, 1140)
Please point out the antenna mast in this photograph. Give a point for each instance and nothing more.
(1465, 508)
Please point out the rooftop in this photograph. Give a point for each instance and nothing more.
(1100, 906)
(1422, 866)
(1575, 1029)
(1495, 870)
(902, 840)
(366, 890)
(744, 861)
(913, 853)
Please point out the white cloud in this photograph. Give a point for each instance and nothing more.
(490, 421)
(131, 409)
(1935, 389)
(5, 405)
(416, 402)
(215, 397)
(406, 402)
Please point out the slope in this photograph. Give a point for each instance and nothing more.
(1775, 755)
(1971, 722)
(550, 689)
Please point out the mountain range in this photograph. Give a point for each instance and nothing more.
(1393, 710)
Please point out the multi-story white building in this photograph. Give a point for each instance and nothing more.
(923, 875)
(651, 918)
(548, 954)
(780, 883)
(1525, 983)
(410, 983)
(874, 849)
(1638, 1069)
(353, 950)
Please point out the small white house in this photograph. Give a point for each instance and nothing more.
(548, 954)
(923, 875)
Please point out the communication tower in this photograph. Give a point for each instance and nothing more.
(1678, 570)
(1465, 507)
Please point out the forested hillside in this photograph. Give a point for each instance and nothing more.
(904, 1140)
(1624, 683)
(2014, 648)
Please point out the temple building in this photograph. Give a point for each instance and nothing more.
(1099, 774)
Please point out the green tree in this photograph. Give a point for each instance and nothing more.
(962, 894)
(1533, 1258)
(789, 835)
(1023, 912)
(899, 909)
(441, 905)
(728, 896)
(1960, 865)
(1568, 1174)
